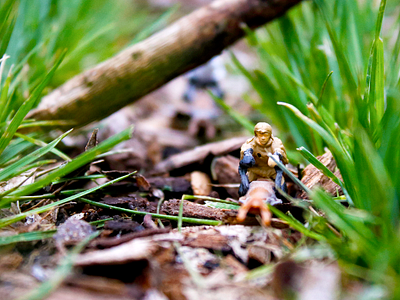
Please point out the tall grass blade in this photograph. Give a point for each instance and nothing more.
(43, 144)
(16, 167)
(78, 162)
(27, 106)
(62, 271)
(12, 219)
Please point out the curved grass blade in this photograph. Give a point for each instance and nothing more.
(211, 199)
(13, 169)
(158, 216)
(296, 224)
(321, 93)
(12, 219)
(336, 213)
(61, 272)
(314, 161)
(4, 95)
(27, 106)
(290, 174)
(78, 162)
(343, 159)
(43, 144)
(221, 205)
(39, 235)
(27, 237)
(33, 123)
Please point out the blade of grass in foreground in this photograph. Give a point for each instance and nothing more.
(27, 237)
(296, 224)
(78, 162)
(39, 235)
(12, 219)
(62, 271)
(314, 161)
(43, 144)
(158, 216)
(195, 197)
(336, 213)
(13, 169)
(27, 106)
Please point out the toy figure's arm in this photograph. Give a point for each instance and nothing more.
(278, 148)
(246, 162)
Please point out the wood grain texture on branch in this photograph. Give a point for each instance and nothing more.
(143, 67)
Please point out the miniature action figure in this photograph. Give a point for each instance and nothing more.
(258, 172)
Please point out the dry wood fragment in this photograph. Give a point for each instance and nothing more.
(176, 185)
(115, 241)
(143, 67)
(225, 171)
(192, 210)
(214, 241)
(201, 183)
(313, 177)
(134, 250)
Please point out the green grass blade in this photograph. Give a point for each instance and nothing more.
(158, 216)
(12, 219)
(16, 147)
(16, 167)
(211, 199)
(377, 87)
(4, 96)
(221, 205)
(324, 134)
(290, 174)
(26, 124)
(39, 235)
(43, 144)
(156, 25)
(27, 237)
(296, 224)
(342, 157)
(343, 63)
(379, 20)
(336, 213)
(180, 216)
(314, 161)
(62, 271)
(26, 107)
(78, 162)
(321, 93)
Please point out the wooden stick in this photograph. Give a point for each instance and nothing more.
(143, 67)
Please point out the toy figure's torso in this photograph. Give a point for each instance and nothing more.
(260, 154)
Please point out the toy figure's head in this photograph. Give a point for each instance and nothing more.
(263, 133)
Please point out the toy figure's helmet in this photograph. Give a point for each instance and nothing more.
(262, 127)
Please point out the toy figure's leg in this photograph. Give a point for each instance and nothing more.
(255, 206)
(280, 183)
(247, 162)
